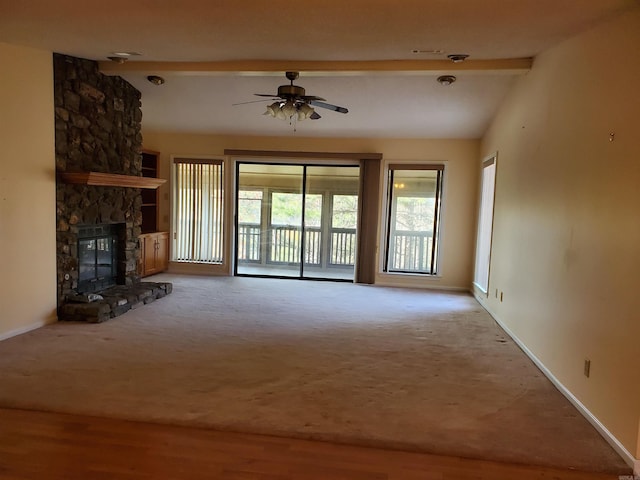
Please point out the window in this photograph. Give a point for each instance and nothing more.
(485, 225)
(313, 229)
(199, 212)
(344, 221)
(414, 194)
(250, 211)
(286, 223)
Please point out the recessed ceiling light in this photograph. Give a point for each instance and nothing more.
(155, 79)
(446, 79)
(125, 54)
(457, 57)
(121, 57)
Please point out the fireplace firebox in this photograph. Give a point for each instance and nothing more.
(97, 257)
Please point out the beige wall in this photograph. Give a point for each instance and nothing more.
(27, 190)
(460, 184)
(566, 247)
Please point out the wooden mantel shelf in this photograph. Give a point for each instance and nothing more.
(111, 180)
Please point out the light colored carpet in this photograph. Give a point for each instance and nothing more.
(359, 364)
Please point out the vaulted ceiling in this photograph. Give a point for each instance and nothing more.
(360, 54)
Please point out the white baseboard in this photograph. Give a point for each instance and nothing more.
(28, 328)
(591, 418)
(416, 281)
(186, 268)
(421, 287)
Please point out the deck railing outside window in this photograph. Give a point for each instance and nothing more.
(284, 247)
(312, 246)
(410, 251)
(249, 242)
(343, 246)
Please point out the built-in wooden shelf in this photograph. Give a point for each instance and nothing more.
(111, 180)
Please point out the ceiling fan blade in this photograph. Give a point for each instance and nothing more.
(252, 101)
(311, 98)
(315, 116)
(328, 106)
(266, 95)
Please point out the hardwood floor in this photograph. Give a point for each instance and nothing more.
(39, 445)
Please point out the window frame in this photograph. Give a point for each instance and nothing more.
(387, 202)
(485, 221)
(223, 213)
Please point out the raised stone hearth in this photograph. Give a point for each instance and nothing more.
(116, 301)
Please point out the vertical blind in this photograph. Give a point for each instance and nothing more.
(199, 193)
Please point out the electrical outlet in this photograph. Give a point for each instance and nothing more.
(501, 295)
(587, 367)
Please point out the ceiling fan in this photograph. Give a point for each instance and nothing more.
(292, 103)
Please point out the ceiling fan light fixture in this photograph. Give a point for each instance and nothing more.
(273, 109)
(305, 111)
(280, 114)
(289, 109)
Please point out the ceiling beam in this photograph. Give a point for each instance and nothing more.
(510, 66)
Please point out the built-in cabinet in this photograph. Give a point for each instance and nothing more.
(154, 252)
(154, 245)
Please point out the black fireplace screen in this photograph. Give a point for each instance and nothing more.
(97, 257)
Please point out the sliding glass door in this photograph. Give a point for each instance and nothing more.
(296, 220)
(269, 219)
(330, 221)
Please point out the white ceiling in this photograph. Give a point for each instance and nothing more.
(390, 105)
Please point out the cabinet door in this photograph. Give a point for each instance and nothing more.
(162, 251)
(150, 266)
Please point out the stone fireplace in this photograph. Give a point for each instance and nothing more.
(98, 130)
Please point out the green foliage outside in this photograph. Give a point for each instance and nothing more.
(414, 214)
(345, 211)
(286, 209)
